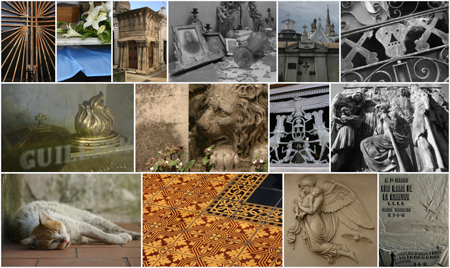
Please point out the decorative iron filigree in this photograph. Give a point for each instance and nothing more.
(389, 48)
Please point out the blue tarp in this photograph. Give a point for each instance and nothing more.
(92, 62)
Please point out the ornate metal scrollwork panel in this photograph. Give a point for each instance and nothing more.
(376, 35)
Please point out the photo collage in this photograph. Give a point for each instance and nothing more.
(224, 134)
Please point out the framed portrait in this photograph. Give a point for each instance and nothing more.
(216, 43)
(231, 45)
(190, 43)
(191, 49)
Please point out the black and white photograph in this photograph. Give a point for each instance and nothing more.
(389, 128)
(248, 29)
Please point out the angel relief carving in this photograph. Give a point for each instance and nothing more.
(318, 212)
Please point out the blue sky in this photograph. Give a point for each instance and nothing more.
(154, 5)
(303, 13)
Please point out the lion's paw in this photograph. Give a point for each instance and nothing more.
(223, 159)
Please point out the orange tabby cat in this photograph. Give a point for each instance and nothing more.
(51, 225)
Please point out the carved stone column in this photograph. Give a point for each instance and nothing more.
(122, 55)
(139, 56)
(156, 56)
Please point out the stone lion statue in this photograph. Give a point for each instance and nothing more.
(234, 119)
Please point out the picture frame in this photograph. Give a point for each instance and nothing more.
(190, 48)
(216, 43)
(231, 45)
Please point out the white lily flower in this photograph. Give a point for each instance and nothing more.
(105, 7)
(94, 18)
(101, 29)
(91, 6)
(71, 32)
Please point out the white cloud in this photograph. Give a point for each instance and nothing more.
(303, 13)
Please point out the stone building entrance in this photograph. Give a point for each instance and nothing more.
(150, 54)
(132, 55)
(139, 34)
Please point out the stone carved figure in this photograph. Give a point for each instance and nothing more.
(290, 153)
(386, 150)
(343, 125)
(299, 118)
(234, 119)
(414, 119)
(318, 213)
(278, 133)
(433, 146)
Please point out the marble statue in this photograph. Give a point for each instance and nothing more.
(385, 128)
(233, 118)
(318, 212)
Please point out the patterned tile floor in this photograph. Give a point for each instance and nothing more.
(216, 220)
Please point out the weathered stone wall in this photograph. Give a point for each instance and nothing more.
(162, 119)
(11, 192)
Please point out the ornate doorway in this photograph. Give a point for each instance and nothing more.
(132, 55)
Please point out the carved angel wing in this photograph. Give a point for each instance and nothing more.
(349, 236)
(365, 239)
(307, 104)
(343, 201)
(282, 107)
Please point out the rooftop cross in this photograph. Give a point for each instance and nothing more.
(40, 118)
(288, 15)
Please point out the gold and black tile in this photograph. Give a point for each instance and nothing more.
(205, 220)
(208, 225)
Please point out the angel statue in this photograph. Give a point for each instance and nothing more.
(318, 213)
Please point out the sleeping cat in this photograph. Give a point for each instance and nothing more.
(51, 225)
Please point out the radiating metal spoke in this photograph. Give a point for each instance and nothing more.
(28, 40)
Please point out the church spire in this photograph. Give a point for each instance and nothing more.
(328, 23)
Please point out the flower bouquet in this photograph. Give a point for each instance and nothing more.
(94, 23)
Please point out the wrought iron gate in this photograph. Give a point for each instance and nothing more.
(28, 41)
(394, 41)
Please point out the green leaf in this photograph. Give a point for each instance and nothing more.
(190, 164)
(205, 160)
(86, 35)
(155, 168)
(173, 162)
(210, 147)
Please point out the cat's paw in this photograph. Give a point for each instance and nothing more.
(135, 235)
(123, 238)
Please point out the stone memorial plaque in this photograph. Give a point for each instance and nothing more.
(330, 220)
(413, 220)
(292, 66)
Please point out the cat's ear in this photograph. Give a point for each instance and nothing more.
(43, 217)
(29, 241)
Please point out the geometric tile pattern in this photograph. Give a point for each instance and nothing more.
(204, 220)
